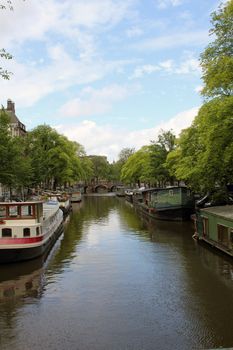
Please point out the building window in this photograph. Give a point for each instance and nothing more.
(26, 232)
(223, 235)
(6, 232)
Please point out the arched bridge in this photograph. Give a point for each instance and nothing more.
(101, 187)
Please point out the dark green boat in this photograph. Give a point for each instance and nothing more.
(171, 203)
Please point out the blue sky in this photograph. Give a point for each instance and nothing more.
(108, 74)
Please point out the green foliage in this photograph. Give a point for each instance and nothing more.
(136, 166)
(54, 158)
(3, 72)
(100, 167)
(217, 59)
(204, 154)
(15, 164)
(148, 164)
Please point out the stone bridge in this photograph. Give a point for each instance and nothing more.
(101, 187)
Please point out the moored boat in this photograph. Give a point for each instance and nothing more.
(129, 195)
(175, 203)
(76, 197)
(214, 225)
(28, 229)
(120, 191)
(63, 199)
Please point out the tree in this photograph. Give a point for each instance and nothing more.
(136, 167)
(3, 72)
(55, 159)
(125, 153)
(15, 164)
(217, 58)
(158, 154)
(101, 167)
(204, 153)
(116, 167)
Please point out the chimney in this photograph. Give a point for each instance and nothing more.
(10, 106)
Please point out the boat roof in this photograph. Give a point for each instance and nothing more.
(162, 188)
(224, 211)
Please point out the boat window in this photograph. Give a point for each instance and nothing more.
(6, 232)
(26, 210)
(37, 231)
(2, 211)
(13, 210)
(223, 234)
(206, 226)
(171, 193)
(231, 236)
(26, 232)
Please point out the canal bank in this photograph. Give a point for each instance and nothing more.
(117, 281)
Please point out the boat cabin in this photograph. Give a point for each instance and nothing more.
(214, 225)
(20, 219)
(169, 197)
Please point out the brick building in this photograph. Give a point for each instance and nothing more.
(17, 128)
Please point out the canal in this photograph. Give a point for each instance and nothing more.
(119, 282)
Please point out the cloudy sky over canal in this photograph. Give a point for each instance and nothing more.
(106, 73)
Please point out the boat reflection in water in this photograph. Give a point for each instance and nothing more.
(28, 284)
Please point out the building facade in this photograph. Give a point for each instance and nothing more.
(17, 128)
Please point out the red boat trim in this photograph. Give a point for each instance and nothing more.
(28, 240)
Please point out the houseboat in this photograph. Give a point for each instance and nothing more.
(175, 203)
(63, 199)
(120, 191)
(129, 195)
(28, 229)
(214, 225)
(76, 197)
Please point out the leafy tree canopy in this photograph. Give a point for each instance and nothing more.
(217, 58)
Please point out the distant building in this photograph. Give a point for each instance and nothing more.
(17, 128)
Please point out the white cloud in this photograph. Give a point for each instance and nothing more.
(163, 4)
(37, 18)
(105, 140)
(140, 71)
(187, 66)
(174, 40)
(92, 102)
(134, 32)
(30, 83)
(198, 89)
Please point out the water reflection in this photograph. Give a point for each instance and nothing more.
(118, 281)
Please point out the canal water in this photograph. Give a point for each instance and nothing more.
(117, 281)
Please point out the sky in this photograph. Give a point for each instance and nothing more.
(108, 74)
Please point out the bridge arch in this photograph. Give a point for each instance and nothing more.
(113, 188)
(101, 188)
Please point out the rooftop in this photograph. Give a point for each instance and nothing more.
(224, 211)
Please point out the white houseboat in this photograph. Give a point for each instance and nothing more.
(76, 197)
(28, 229)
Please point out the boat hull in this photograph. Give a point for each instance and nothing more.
(13, 255)
(171, 214)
